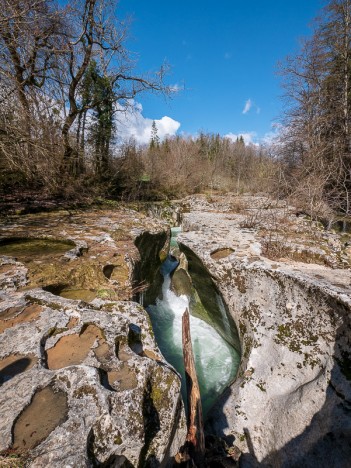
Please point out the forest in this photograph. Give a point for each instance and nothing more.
(66, 75)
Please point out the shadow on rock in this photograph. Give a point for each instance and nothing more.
(13, 369)
(152, 426)
(326, 441)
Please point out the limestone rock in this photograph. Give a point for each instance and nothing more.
(83, 384)
(290, 403)
(91, 240)
(13, 275)
(123, 400)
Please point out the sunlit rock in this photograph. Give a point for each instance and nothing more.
(288, 290)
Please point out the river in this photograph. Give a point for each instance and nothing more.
(216, 360)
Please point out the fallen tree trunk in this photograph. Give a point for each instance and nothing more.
(195, 436)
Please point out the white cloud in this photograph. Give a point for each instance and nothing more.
(272, 137)
(247, 107)
(250, 104)
(248, 137)
(176, 88)
(132, 124)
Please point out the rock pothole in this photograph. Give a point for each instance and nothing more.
(123, 351)
(73, 349)
(218, 254)
(134, 339)
(47, 410)
(123, 379)
(17, 315)
(63, 290)
(108, 270)
(28, 249)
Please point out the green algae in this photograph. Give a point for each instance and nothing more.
(27, 249)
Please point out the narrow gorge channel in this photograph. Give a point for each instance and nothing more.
(215, 342)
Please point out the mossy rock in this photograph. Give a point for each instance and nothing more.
(181, 283)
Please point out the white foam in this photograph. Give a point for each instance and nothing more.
(215, 360)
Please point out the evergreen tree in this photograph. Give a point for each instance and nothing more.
(99, 96)
(155, 139)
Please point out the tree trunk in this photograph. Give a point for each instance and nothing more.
(70, 154)
(195, 437)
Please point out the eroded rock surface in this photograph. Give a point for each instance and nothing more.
(83, 384)
(290, 404)
(81, 254)
(80, 358)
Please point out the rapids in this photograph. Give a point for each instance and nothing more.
(216, 360)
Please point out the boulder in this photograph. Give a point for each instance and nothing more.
(84, 385)
(290, 403)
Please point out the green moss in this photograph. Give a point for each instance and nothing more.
(163, 255)
(9, 459)
(52, 305)
(242, 328)
(110, 306)
(284, 331)
(160, 388)
(118, 439)
(150, 329)
(295, 346)
(240, 283)
(105, 294)
(296, 334)
(252, 313)
(56, 331)
(261, 386)
(248, 344)
(157, 396)
(85, 390)
(310, 341)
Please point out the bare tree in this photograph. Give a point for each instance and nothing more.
(97, 35)
(317, 82)
(31, 35)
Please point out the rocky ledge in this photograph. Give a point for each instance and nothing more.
(287, 284)
(82, 384)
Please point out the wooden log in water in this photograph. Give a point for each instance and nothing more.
(195, 436)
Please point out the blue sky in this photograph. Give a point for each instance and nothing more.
(224, 53)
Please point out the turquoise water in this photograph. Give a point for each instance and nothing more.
(175, 231)
(216, 361)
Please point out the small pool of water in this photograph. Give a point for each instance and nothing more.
(79, 294)
(86, 295)
(26, 249)
(216, 361)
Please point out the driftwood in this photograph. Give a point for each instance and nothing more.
(195, 436)
(194, 453)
